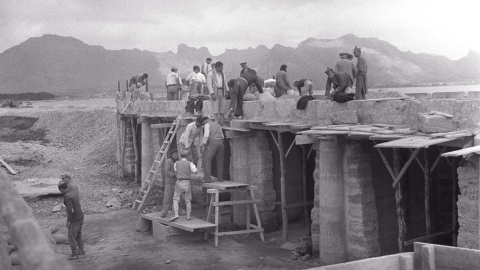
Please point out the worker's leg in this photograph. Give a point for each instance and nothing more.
(167, 198)
(188, 198)
(176, 198)
(241, 93)
(215, 117)
(222, 107)
(194, 151)
(170, 93)
(79, 225)
(72, 239)
(207, 160)
(219, 156)
(234, 97)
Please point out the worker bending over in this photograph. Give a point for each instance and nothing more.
(304, 86)
(239, 87)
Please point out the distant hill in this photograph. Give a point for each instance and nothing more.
(67, 66)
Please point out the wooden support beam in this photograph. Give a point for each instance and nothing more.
(304, 189)
(282, 188)
(418, 161)
(304, 139)
(146, 85)
(118, 89)
(405, 167)
(273, 137)
(126, 89)
(400, 203)
(387, 165)
(135, 148)
(10, 169)
(289, 148)
(124, 136)
(454, 201)
(310, 151)
(423, 238)
(428, 224)
(434, 165)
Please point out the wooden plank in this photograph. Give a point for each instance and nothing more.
(413, 142)
(10, 169)
(304, 139)
(301, 126)
(239, 232)
(386, 99)
(236, 129)
(236, 202)
(419, 239)
(383, 137)
(462, 152)
(405, 167)
(161, 125)
(328, 132)
(389, 126)
(441, 114)
(428, 222)
(277, 124)
(443, 134)
(181, 223)
(360, 134)
(225, 185)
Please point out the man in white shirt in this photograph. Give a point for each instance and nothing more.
(174, 84)
(207, 67)
(218, 88)
(187, 140)
(196, 82)
(212, 147)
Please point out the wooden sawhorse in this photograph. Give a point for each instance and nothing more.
(214, 189)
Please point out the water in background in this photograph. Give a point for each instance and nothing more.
(423, 89)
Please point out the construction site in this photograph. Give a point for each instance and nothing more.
(366, 178)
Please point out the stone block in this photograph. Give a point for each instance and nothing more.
(343, 117)
(449, 95)
(435, 123)
(473, 94)
(419, 95)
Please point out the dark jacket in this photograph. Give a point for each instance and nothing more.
(340, 82)
(251, 77)
(72, 204)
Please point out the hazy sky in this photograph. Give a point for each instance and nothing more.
(449, 28)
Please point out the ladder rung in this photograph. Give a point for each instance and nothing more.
(152, 172)
(138, 201)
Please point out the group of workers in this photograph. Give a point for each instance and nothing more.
(178, 172)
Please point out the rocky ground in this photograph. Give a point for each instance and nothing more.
(78, 137)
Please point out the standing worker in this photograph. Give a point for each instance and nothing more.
(196, 82)
(174, 84)
(170, 180)
(183, 170)
(346, 66)
(282, 84)
(218, 88)
(187, 140)
(71, 199)
(239, 87)
(212, 147)
(361, 85)
(206, 67)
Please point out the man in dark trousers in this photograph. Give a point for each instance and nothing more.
(170, 179)
(282, 84)
(71, 200)
(341, 83)
(361, 85)
(239, 87)
(304, 86)
(212, 147)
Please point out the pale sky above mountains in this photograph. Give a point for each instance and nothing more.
(442, 27)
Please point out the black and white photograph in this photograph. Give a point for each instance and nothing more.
(240, 135)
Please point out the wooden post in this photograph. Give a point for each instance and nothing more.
(118, 89)
(400, 203)
(147, 147)
(146, 85)
(454, 201)
(304, 189)
(135, 148)
(124, 136)
(281, 154)
(427, 194)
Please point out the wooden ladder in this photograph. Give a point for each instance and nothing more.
(159, 159)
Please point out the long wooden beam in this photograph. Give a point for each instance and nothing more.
(283, 188)
(400, 203)
(428, 225)
(289, 148)
(405, 167)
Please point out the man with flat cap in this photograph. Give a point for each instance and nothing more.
(244, 67)
(346, 66)
(174, 84)
(239, 88)
(341, 85)
(282, 84)
(361, 85)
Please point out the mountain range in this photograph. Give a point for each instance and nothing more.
(67, 66)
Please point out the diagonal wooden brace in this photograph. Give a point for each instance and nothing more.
(397, 178)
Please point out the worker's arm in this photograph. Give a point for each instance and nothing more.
(361, 66)
(179, 80)
(206, 133)
(258, 85)
(190, 76)
(175, 166)
(169, 168)
(193, 168)
(210, 83)
(69, 208)
(328, 86)
(310, 90)
(354, 71)
(287, 82)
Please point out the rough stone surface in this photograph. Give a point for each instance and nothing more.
(435, 123)
(467, 204)
(343, 117)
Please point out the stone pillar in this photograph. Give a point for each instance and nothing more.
(147, 147)
(157, 142)
(468, 221)
(361, 222)
(330, 213)
(129, 150)
(251, 162)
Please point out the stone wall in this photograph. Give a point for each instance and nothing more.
(251, 162)
(468, 175)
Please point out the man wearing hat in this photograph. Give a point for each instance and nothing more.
(174, 84)
(71, 199)
(244, 67)
(346, 66)
(212, 147)
(341, 85)
(206, 67)
(170, 179)
(183, 170)
(361, 85)
(282, 84)
(187, 140)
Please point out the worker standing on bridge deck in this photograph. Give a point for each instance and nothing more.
(183, 170)
(239, 87)
(282, 84)
(187, 140)
(170, 180)
(218, 88)
(212, 147)
(174, 84)
(71, 199)
(346, 66)
(361, 85)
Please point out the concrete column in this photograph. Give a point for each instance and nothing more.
(251, 162)
(147, 147)
(331, 213)
(360, 210)
(157, 142)
(468, 221)
(129, 151)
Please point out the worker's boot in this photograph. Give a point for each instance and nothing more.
(189, 210)
(175, 210)
(73, 256)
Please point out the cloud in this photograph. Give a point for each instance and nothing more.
(439, 27)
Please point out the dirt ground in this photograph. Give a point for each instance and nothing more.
(78, 137)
